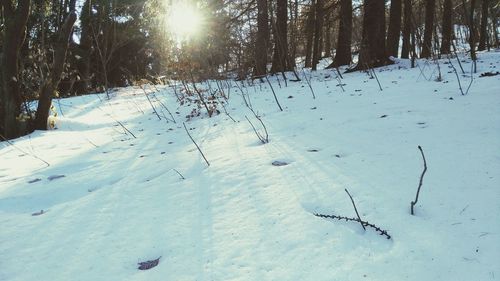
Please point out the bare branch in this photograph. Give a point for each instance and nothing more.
(421, 180)
(201, 152)
(355, 209)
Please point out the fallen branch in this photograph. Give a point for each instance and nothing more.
(421, 180)
(355, 209)
(364, 223)
(201, 152)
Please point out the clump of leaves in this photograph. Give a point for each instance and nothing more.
(145, 265)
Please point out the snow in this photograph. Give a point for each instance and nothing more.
(111, 201)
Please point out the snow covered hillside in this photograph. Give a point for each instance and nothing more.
(106, 200)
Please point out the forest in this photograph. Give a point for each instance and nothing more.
(249, 140)
(69, 47)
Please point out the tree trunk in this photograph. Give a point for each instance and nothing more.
(483, 30)
(294, 19)
(472, 35)
(430, 6)
(343, 52)
(328, 38)
(309, 34)
(318, 27)
(84, 49)
(51, 83)
(447, 27)
(407, 27)
(372, 52)
(394, 29)
(72, 5)
(261, 44)
(494, 17)
(280, 59)
(16, 20)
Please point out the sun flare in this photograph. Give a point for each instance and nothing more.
(185, 21)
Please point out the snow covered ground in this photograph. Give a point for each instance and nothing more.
(109, 201)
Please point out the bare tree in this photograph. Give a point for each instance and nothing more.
(394, 31)
(447, 27)
(483, 30)
(280, 57)
(261, 45)
(318, 27)
(15, 19)
(469, 15)
(309, 30)
(372, 52)
(50, 85)
(343, 52)
(407, 24)
(430, 6)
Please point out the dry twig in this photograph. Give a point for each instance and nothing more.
(421, 180)
(355, 209)
(201, 152)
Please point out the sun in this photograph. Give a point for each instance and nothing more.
(184, 20)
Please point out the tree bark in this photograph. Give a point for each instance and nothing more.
(310, 34)
(372, 52)
(343, 52)
(262, 42)
(328, 38)
(394, 28)
(407, 27)
(51, 83)
(294, 16)
(494, 19)
(483, 30)
(16, 20)
(318, 27)
(430, 6)
(280, 59)
(84, 49)
(447, 27)
(472, 33)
